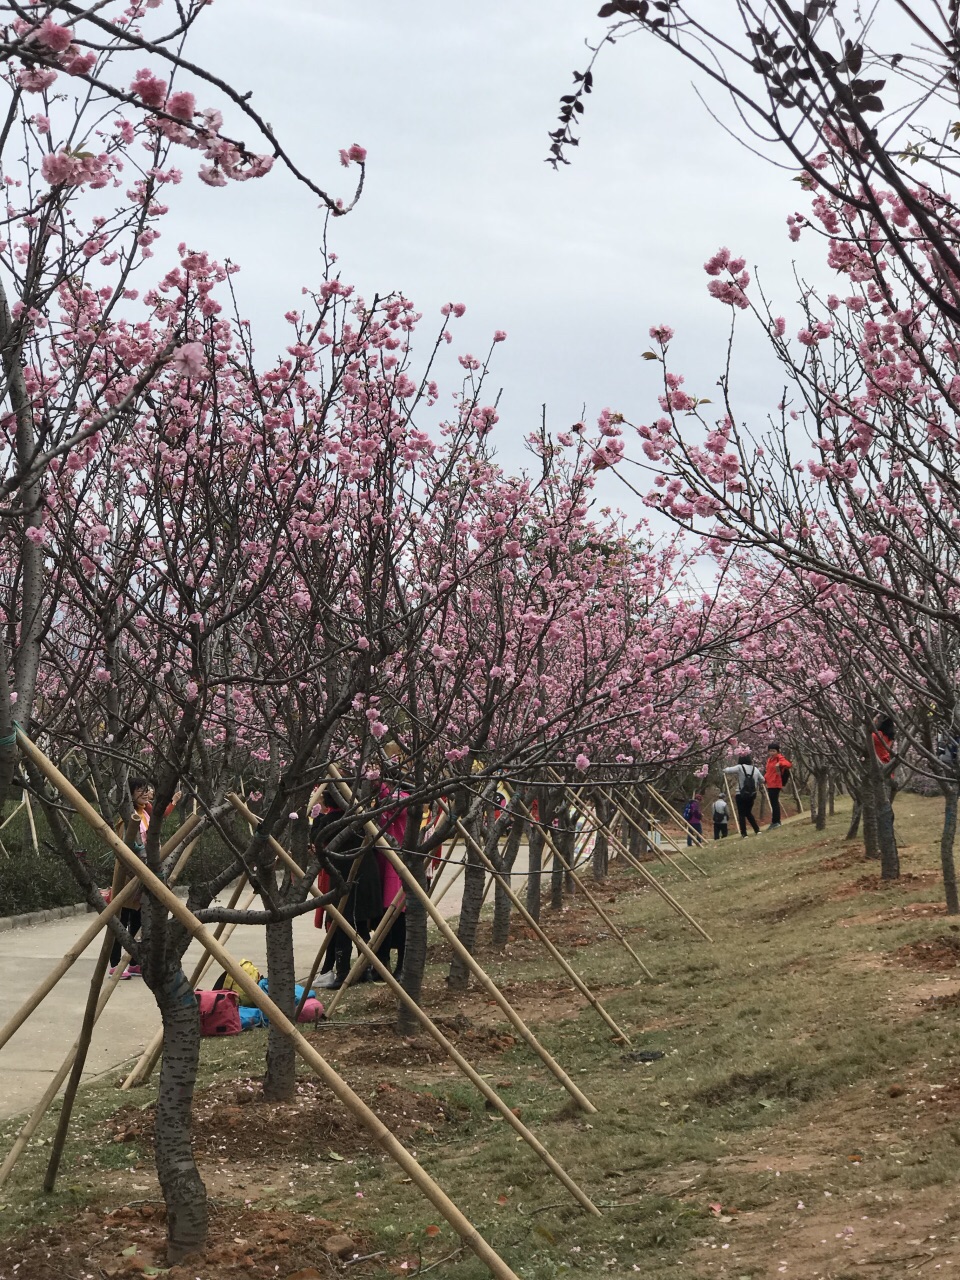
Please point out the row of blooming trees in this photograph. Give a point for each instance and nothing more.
(217, 566)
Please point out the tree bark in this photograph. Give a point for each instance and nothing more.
(947, 840)
(183, 1191)
(820, 784)
(415, 954)
(854, 820)
(474, 880)
(601, 849)
(535, 866)
(502, 906)
(280, 1078)
(831, 797)
(868, 802)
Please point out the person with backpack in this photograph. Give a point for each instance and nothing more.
(748, 780)
(693, 817)
(775, 777)
(721, 819)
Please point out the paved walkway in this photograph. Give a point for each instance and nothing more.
(130, 1020)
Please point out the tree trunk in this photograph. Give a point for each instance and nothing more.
(183, 1191)
(280, 1079)
(474, 880)
(601, 849)
(415, 954)
(820, 817)
(535, 866)
(854, 820)
(502, 906)
(831, 797)
(871, 837)
(565, 837)
(947, 839)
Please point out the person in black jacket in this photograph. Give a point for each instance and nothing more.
(363, 907)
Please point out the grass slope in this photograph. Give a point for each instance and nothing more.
(803, 1121)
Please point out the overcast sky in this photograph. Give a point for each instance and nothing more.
(453, 103)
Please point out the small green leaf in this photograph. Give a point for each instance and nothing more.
(334, 1155)
(129, 1253)
(649, 355)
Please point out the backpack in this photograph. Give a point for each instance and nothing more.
(219, 1013)
(784, 774)
(720, 810)
(748, 787)
(226, 983)
(687, 810)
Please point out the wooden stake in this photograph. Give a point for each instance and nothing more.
(76, 951)
(614, 929)
(102, 999)
(143, 1067)
(529, 920)
(414, 887)
(358, 966)
(33, 825)
(153, 884)
(369, 956)
(674, 844)
(651, 845)
(10, 817)
(684, 825)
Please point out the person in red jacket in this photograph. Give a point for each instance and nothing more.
(773, 779)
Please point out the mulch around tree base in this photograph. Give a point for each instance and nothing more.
(128, 1242)
(231, 1121)
(942, 952)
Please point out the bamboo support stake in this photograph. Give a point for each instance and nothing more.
(655, 884)
(684, 825)
(796, 792)
(734, 812)
(33, 825)
(376, 939)
(652, 846)
(674, 844)
(368, 956)
(31, 1124)
(452, 880)
(81, 1049)
(614, 928)
(338, 1086)
(414, 886)
(119, 900)
(553, 951)
(10, 817)
(143, 1067)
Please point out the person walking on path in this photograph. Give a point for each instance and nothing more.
(748, 780)
(693, 816)
(721, 818)
(775, 775)
(141, 797)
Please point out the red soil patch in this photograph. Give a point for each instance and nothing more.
(244, 1244)
(942, 952)
(390, 1049)
(909, 880)
(232, 1122)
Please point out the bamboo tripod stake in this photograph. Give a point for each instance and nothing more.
(529, 920)
(678, 817)
(369, 956)
(414, 887)
(153, 884)
(652, 846)
(614, 929)
(674, 844)
(655, 883)
(119, 900)
(33, 1120)
(143, 1067)
(358, 966)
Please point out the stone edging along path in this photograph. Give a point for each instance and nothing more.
(29, 918)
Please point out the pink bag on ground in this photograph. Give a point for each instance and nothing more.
(219, 1013)
(312, 1010)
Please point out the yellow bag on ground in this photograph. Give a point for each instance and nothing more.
(229, 984)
